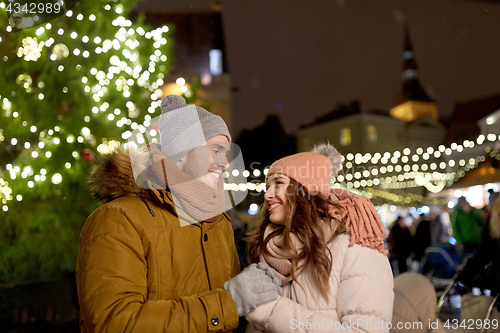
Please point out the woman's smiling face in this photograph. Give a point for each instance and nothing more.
(277, 198)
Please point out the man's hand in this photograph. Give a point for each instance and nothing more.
(255, 285)
(270, 272)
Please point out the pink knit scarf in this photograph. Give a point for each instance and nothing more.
(361, 221)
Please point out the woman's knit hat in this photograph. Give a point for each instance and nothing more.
(183, 127)
(313, 170)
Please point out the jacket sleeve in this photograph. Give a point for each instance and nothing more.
(112, 286)
(364, 301)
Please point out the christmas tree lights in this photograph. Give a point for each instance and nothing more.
(70, 88)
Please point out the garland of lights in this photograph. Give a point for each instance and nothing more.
(411, 178)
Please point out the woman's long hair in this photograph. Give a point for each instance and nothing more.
(306, 218)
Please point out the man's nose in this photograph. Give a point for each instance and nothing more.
(222, 162)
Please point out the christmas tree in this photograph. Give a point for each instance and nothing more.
(71, 87)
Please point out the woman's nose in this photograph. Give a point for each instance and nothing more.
(269, 194)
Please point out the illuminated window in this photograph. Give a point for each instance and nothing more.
(371, 133)
(345, 136)
(215, 62)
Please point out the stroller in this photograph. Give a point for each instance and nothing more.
(440, 266)
(478, 313)
(415, 309)
(442, 270)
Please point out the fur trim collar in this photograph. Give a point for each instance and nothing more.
(112, 177)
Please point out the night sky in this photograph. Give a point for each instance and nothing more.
(298, 59)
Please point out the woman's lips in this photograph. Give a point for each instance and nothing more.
(274, 206)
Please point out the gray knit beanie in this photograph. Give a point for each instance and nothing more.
(183, 127)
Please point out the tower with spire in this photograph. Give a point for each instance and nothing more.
(412, 101)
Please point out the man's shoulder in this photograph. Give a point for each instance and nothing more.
(124, 204)
(129, 214)
(132, 208)
(224, 221)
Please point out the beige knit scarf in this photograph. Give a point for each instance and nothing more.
(361, 221)
(200, 201)
(281, 259)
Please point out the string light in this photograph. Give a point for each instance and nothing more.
(31, 49)
(434, 181)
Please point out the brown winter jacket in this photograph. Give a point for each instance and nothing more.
(139, 271)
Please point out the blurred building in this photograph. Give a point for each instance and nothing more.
(353, 131)
(490, 124)
(474, 117)
(412, 122)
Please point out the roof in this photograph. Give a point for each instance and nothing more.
(486, 172)
(463, 124)
(342, 110)
(412, 91)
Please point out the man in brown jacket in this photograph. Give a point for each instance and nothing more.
(155, 256)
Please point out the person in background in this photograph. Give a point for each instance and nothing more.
(399, 241)
(466, 222)
(493, 196)
(444, 215)
(327, 247)
(422, 238)
(437, 228)
(483, 269)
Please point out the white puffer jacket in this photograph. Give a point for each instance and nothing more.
(360, 299)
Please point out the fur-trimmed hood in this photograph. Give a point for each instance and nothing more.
(112, 176)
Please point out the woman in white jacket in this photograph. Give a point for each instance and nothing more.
(327, 248)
